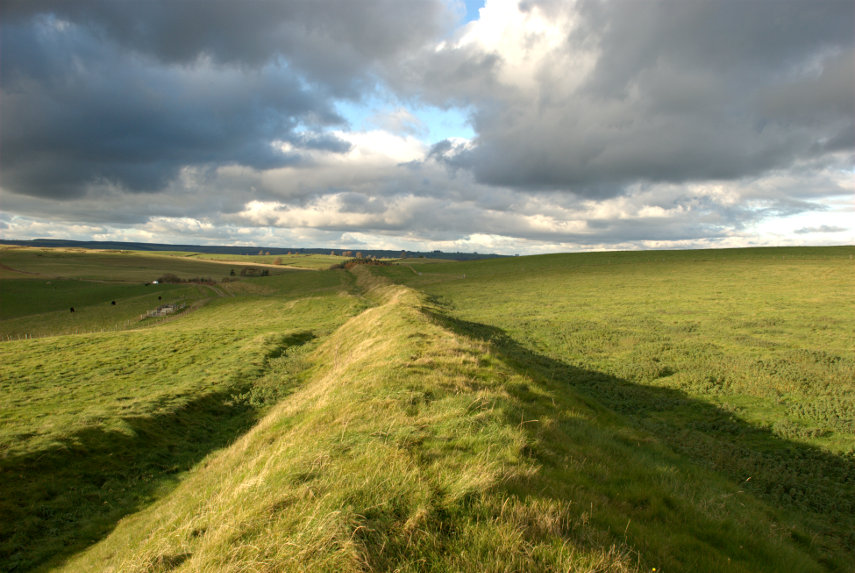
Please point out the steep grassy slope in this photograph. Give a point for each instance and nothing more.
(412, 446)
(94, 426)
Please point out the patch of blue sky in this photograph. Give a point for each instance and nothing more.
(472, 9)
(429, 124)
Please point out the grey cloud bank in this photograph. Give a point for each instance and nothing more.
(597, 124)
(679, 91)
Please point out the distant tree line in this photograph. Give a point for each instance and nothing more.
(170, 278)
(349, 264)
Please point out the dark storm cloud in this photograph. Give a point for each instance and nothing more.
(126, 94)
(331, 42)
(679, 91)
(727, 37)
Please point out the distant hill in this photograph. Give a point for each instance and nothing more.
(245, 250)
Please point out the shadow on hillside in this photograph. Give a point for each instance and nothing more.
(55, 503)
(791, 476)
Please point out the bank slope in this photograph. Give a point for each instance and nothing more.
(414, 448)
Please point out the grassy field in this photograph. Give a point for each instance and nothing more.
(683, 411)
(742, 361)
(124, 266)
(110, 290)
(315, 262)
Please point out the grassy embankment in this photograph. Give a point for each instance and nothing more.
(741, 360)
(489, 431)
(96, 425)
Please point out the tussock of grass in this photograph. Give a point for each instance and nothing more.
(412, 447)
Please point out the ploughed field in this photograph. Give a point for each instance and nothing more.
(682, 410)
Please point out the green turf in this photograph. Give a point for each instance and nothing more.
(41, 310)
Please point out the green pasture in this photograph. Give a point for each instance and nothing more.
(769, 328)
(128, 266)
(38, 288)
(314, 262)
(21, 297)
(33, 308)
(681, 410)
(290, 284)
(101, 423)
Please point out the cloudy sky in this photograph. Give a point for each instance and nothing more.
(501, 126)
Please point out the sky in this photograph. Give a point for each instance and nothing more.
(505, 126)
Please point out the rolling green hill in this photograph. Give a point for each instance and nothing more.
(683, 411)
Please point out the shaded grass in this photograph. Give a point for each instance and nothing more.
(63, 494)
(38, 310)
(812, 488)
(56, 385)
(59, 500)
